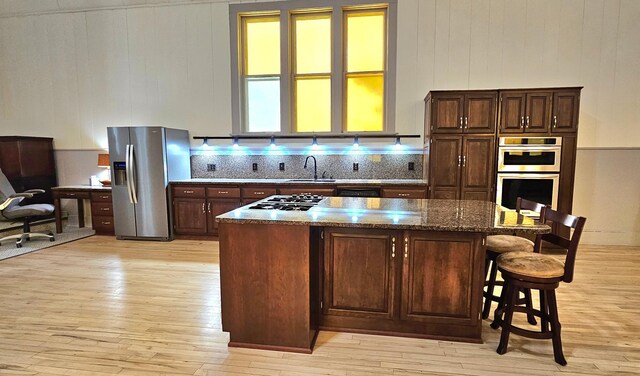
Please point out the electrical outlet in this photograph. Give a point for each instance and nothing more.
(211, 167)
(355, 166)
(254, 167)
(412, 166)
(281, 166)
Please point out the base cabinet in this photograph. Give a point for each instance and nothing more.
(189, 216)
(425, 284)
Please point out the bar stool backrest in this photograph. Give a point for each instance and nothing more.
(558, 222)
(524, 204)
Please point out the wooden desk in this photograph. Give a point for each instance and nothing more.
(101, 206)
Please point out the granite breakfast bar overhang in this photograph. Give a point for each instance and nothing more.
(369, 265)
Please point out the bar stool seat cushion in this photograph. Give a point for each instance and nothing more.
(529, 264)
(508, 243)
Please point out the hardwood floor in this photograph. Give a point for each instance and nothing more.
(100, 306)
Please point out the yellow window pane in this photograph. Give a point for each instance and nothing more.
(365, 103)
(365, 41)
(313, 44)
(313, 104)
(262, 45)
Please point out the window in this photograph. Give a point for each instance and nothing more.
(313, 66)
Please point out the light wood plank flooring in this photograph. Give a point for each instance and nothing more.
(99, 306)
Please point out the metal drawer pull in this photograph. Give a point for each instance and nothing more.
(393, 247)
(258, 193)
(105, 197)
(406, 247)
(188, 192)
(403, 194)
(105, 209)
(223, 192)
(71, 194)
(106, 223)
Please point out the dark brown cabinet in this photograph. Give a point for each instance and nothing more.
(462, 112)
(28, 163)
(462, 167)
(195, 208)
(102, 213)
(401, 281)
(414, 193)
(539, 111)
(525, 111)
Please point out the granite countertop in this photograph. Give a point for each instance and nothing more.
(372, 182)
(394, 213)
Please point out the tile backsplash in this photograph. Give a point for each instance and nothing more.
(369, 166)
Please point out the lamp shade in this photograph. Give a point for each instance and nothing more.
(103, 160)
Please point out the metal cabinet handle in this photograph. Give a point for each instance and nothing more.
(521, 121)
(460, 122)
(406, 247)
(72, 194)
(203, 208)
(466, 122)
(464, 160)
(459, 160)
(555, 121)
(526, 125)
(393, 247)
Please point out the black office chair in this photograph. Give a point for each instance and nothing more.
(10, 210)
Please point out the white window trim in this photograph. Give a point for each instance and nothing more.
(337, 70)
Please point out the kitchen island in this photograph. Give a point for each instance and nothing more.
(368, 265)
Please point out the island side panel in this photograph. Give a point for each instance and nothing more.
(265, 286)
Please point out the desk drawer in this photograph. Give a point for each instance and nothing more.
(258, 192)
(101, 209)
(103, 225)
(67, 194)
(230, 192)
(195, 192)
(101, 196)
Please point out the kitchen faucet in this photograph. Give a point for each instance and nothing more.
(315, 166)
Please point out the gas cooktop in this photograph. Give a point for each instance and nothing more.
(288, 203)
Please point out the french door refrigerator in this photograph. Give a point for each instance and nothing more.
(143, 161)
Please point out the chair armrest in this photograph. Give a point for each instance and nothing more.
(34, 191)
(23, 195)
(8, 201)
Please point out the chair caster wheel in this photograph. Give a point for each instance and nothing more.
(52, 239)
(18, 245)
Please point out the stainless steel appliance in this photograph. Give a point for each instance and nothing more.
(528, 167)
(288, 203)
(143, 160)
(529, 154)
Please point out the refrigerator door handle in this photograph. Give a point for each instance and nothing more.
(133, 176)
(127, 164)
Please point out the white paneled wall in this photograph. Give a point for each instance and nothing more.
(71, 74)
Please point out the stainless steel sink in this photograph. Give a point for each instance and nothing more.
(314, 180)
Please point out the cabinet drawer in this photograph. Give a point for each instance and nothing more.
(404, 193)
(103, 224)
(307, 190)
(63, 194)
(101, 208)
(101, 196)
(189, 192)
(231, 192)
(258, 192)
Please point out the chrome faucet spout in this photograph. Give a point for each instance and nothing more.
(315, 166)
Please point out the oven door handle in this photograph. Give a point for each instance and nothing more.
(529, 148)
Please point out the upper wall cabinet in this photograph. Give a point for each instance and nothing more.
(539, 111)
(462, 112)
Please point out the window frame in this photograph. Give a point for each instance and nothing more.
(286, 10)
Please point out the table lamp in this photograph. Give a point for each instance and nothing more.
(103, 161)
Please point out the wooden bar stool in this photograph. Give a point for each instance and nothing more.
(535, 271)
(499, 244)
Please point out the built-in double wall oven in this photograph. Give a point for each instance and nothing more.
(528, 167)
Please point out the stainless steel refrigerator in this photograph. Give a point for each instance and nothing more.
(143, 161)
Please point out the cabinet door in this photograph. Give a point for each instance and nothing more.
(447, 113)
(477, 167)
(189, 216)
(538, 115)
(441, 277)
(480, 112)
(215, 207)
(512, 112)
(358, 272)
(445, 163)
(566, 105)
